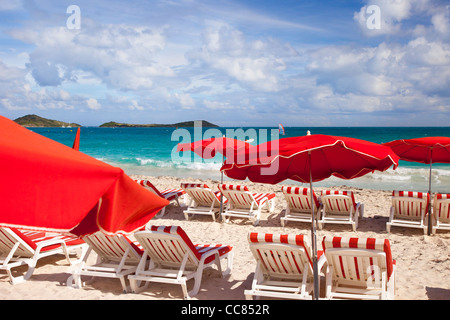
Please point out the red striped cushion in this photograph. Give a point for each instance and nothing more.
(261, 198)
(197, 249)
(441, 210)
(344, 193)
(298, 240)
(233, 187)
(172, 194)
(148, 184)
(302, 191)
(443, 196)
(194, 185)
(412, 194)
(34, 238)
(362, 243)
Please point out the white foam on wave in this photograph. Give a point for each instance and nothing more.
(403, 178)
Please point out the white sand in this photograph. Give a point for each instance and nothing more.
(423, 261)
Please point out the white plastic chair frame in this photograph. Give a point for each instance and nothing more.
(331, 213)
(173, 262)
(16, 252)
(116, 258)
(244, 204)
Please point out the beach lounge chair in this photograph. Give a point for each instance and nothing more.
(441, 212)
(169, 194)
(298, 205)
(359, 268)
(408, 210)
(245, 204)
(117, 257)
(23, 247)
(340, 207)
(174, 259)
(202, 200)
(284, 266)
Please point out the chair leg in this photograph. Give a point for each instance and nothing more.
(136, 285)
(124, 284)
(197, 281)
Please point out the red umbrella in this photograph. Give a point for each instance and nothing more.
(49, 186)
(208, 148)
(426, 150)
(76, 142)
(312, 158)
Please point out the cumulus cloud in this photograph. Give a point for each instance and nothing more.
(93, 104)
(121, 56)
(258, 63)
(390, 13)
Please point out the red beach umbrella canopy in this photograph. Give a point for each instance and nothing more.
(343, 157)
(423, 150)
(208, 148)
(49, 186)
(427, 150)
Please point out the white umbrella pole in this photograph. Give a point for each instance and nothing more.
(430, 226)
(313, 236)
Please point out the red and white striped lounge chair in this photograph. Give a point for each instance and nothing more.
(441, 212)
(169, 194)
(202, 200)
(298, 205)
(340, 207)
(359, 268)
(284, 266)
(245, 204)
(174, 259)
(117, 257)
(408, 210)
(24, 247)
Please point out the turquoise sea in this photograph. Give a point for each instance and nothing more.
(152, 151)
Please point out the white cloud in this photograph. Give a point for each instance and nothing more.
(392, 14)
(255, 63)
(93, 104)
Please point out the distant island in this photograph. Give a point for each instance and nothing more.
(113, 124)
(32, 120)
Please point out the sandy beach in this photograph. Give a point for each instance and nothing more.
(423, 261)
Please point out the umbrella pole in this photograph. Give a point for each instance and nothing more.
(430, 227)
(221, 182)
(313, 236)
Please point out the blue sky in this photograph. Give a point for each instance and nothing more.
(234, 63)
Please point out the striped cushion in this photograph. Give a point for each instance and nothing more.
(362, 243)
(194, 185)
(260, 198)
(298, 240)
(34, 238)
(441, 206)
(202, 197)
(198, 249)
(148, 184)
(169, 194)
(234, 187)
(339, 192)
(411, 209)
(172, 194)
(301, 191)
(112, 244)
